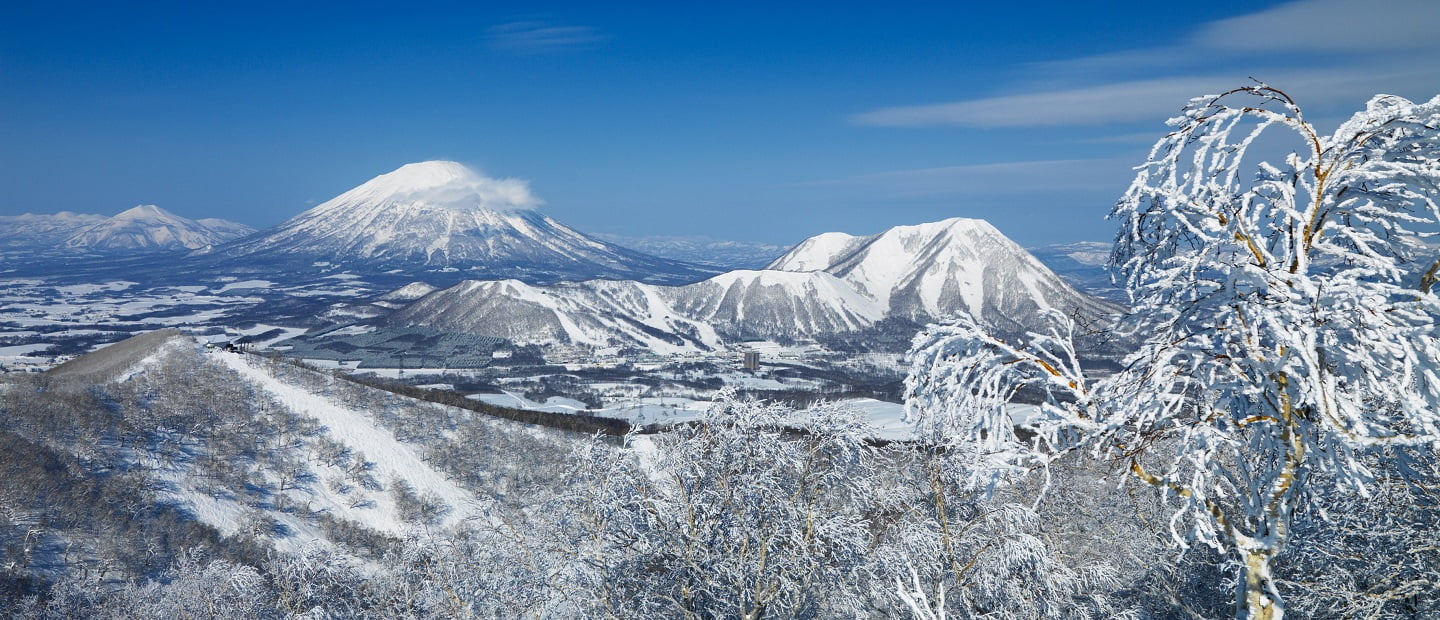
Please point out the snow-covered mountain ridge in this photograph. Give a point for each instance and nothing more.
(39, 230)
(148, 227)
(927, 271)
(829, 285)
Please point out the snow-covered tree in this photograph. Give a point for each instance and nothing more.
(963, 553)
(193, 588)
(738, 516)
(1368, 556)
(1286, 321)
(975, 547)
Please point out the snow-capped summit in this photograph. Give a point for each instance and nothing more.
(444, 184)
(817, 253)
(148, 227)
(143, 212)
(440, 215)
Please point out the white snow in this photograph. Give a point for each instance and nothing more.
(410, 292)
(444, 183)
(817, 253)
(393, 459)
(86, 289)
(885, 419)
(22, 350)
(244, 284)
(150, 227)
(349, 330)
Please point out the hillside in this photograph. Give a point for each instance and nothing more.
(236, 454)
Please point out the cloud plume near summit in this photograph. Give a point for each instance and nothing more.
(448, 184)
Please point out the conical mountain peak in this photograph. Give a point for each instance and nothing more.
(442, 216)
(444, 184)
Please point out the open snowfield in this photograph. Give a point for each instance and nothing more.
(39, 313)
(23, 350)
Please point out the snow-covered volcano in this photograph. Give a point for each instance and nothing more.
(440, 215)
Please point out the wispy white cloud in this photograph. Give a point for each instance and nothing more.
(1282, 45)
(1328, 26)
(1136, 137)
(541, 37)
(1078, 106)
(1041, 176)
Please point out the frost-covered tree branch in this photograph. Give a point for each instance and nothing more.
(1286, 323)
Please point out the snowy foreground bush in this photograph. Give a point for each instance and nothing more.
(1269, 446)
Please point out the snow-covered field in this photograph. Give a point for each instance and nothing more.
(36, 314)
(23, 350)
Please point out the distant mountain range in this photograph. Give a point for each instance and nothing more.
(475, 256)
(827, 287)
(726, 255)
(145, 228)
(1082, 264)
(441, 223)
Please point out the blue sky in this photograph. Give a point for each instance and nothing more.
(756, 122)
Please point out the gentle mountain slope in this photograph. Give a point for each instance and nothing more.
(391, 462)
(121, 358)
(42, 230)
(596, 313)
